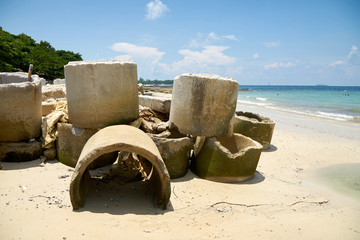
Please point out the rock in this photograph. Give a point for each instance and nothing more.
(254, 126)
(203, 104)
(110, 99)
(155, 103)
(227, 159)
(120, 138)
(50, 153)
(52, 92)
(20, 108)
(70, 142)
(20, 151)
(47, 107)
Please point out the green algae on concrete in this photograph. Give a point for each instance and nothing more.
(254, 126)
(175, 152)
(227, 159)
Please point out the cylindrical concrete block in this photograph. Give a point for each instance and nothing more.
(203, 104)
(20, 108)
(101, 93)
(254, 126)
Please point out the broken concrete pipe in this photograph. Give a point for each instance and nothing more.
(113, 139)
(175, 151)
(254, 126)
(20, 108)
(227, 159)
(101, 93)
(203, 104)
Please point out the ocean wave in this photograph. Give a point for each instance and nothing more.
(261, 99)
(254, 103)
(336, 116)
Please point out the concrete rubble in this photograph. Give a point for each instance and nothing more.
(101, 93)
(203, 104)
(254, 126)
(120, 138)
(84, 127)
(227, 159)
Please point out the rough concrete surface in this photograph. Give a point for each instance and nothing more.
(203, 104)
(20, 151)
(101, 93)
(227, 159)
(113, 139)
(20, 110)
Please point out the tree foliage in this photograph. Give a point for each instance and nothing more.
(18, 51)
(155, 82)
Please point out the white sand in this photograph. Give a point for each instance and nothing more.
(287, 199)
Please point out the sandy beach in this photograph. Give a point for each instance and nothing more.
(307, 186)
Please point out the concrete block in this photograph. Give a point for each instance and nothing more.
(175, 152)
(101, 93)
(70, 141)
(254, 126)
(203, 104)
(155, 103)
(47, 107)
(59, 81)
(227, 159)
(20, 108)
(20, 151)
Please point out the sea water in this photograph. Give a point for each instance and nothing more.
(341, 103)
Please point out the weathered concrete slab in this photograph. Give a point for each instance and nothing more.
(227, 159)
(203, 104)
(254, 126)
(59, 81)
(101, 93)
(20, 109)
(70, 142)
(113, 139)
(20, 151)
(47, 107)
(53, 92)
(155, 103)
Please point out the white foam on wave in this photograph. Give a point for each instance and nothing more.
(261, 99)
(337, 116)
(254, 103)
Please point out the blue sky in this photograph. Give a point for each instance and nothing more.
(255, 42)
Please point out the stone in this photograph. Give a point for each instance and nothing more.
(175, 151)
(53, 92)
(20, 151)
(203, 104)
(254, 126)
(155, 103)
(47, 108)
(20, 108)
(50, 153)
(227, 159)
(113, 139)
(70, 142)
(59, 81)
(101, 93)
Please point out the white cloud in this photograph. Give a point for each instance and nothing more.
(209, 60)
(137, 52)
(272, 65)
(277, 65)
(230, 37)
(147, 58)
(203, 40)
(155, 9)
(354, 56)
(256, 56)
(272, 44)
(334, 64)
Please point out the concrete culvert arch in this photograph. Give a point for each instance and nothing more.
(120, 138)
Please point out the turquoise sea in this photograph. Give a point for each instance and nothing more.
(341, 103)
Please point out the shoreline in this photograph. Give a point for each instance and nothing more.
(286, 199)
